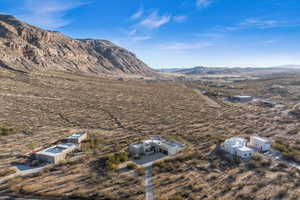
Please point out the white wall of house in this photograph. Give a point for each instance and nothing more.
(260, 144)
(244, 152)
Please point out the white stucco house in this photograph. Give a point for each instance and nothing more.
(259, 143)
(155, 145)
(237, 147)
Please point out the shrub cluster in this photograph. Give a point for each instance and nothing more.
(131, 166)
(5, 130)
(290, 152)
(114, 160)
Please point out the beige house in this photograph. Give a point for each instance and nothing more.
(56, 154)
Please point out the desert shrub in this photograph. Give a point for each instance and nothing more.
(92, 143)
(131, 166)
(288, 151)
(266, 163)
(177, 197)
(281, 194)
(282, 165)
(253, 164)
(167, 165)
(4, 131)
(7, 171)
(245, 197)
(257, 157)
(141, 171)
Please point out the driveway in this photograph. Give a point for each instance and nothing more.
(148, 160)
(149, 186)
(276, 155)
(24, 170)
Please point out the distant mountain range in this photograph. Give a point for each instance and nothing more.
(26, 48)
(201, 70)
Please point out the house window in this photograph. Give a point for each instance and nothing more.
(245, 154)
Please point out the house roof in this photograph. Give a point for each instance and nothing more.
(58, 149)
(243, 97)
(160, 142)
(235, 142)
(76, 136)
(260, 139)
(245, 149)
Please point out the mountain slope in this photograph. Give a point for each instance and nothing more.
(28, 48)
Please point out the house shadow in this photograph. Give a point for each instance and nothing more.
(25, 167)
(144, 160)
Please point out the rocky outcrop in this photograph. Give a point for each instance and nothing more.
(27, 48)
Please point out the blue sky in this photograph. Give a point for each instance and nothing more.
(178, 33)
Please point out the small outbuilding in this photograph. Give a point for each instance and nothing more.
(259, 143)
(77, 138)
(241, 99)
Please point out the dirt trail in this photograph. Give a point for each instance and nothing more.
(208, 100)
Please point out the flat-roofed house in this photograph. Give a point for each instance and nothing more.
(155, 145)
(259, 143)
(56, 154)
(241, 99)
(77, 138)
(238, 147)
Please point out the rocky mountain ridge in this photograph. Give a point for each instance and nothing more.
(24, 47)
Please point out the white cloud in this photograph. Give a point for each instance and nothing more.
(180, 18)
(209, 35)
(141, 38)
(258, 24)
(49, 13)
(272, 41)
(203, 3)
(137, 15)
(129, 31)
(186, 46)
(154, 20)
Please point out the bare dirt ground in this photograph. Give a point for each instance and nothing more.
(118, 113)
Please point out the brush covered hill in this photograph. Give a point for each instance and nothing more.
(24, 47)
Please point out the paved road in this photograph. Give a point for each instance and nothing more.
(149, 186)
(3, 180)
